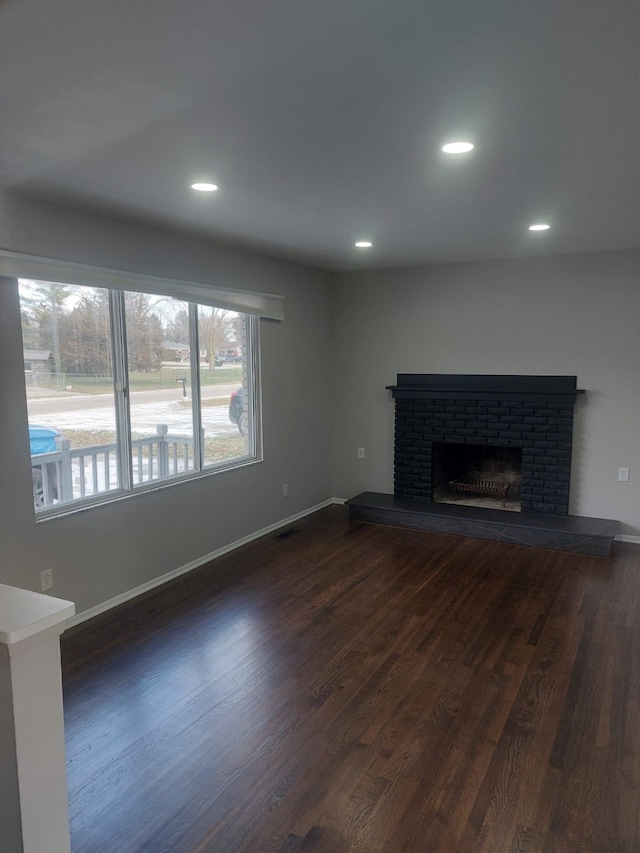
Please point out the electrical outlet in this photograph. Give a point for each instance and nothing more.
(361, 453)
(623, 475)
(285, 490)
(46, 580)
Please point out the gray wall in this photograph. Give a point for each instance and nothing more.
(104, 551)
(576, 315)
(344, 338)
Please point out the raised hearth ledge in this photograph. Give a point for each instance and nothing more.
(567, 533)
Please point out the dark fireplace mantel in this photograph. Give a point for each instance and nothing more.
(445, 386)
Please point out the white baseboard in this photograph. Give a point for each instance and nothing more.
(194, 564)
(623, 537)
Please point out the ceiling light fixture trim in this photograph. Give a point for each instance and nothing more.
(458, 147)
(205, 187)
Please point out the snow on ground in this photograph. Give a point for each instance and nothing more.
(145, 418)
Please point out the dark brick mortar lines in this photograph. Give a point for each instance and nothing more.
(542, 429)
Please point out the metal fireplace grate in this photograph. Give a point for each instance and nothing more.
(480, 488)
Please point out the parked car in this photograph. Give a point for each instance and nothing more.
(238, 410)
(43, 440)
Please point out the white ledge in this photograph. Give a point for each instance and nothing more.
(25, 614)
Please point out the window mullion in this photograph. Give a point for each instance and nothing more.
(252, 377)
(198, 450)
(121, 386)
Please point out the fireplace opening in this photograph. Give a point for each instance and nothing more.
(477, 475)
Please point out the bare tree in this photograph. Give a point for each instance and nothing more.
(144, 333)
(214, 327)
(86, 338)
(177, 328)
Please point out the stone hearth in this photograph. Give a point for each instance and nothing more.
(568, 533)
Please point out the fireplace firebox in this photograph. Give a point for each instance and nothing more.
(477, 475)
(456, 431)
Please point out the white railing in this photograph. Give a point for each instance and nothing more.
(69, 474)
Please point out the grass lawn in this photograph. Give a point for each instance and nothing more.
(165, 378)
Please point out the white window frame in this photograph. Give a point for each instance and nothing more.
(126, 487)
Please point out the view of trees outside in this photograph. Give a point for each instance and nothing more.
(72, 322)
(69, 376)
(144, 317)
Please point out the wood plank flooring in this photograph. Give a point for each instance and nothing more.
(363, 689)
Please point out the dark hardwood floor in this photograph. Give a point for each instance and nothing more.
(362, 688)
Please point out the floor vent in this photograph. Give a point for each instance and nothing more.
(287, 534)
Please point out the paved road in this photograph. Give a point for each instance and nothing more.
(92, 412)
(70, 402)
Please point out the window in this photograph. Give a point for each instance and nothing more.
(126, 390)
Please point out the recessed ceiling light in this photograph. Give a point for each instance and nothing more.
(205, 188)
(363, 244)
(457, 147)
(539, 226)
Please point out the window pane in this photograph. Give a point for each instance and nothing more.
(224, 386)
(69, 383)
(158, 355)
(87, 438)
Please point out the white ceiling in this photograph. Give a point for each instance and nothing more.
(322, 121)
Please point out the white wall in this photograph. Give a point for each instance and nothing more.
(576, 315)
(105, 551)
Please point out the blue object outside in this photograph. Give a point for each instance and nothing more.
(42, 439)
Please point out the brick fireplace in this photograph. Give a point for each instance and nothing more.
(515, 429)
(525, 421)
